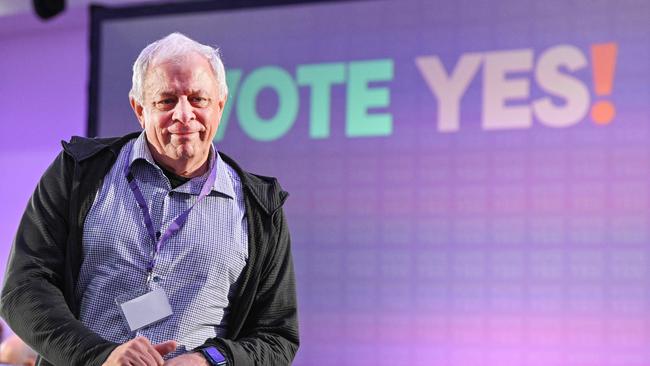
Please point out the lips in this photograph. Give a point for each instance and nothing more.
(184, 133)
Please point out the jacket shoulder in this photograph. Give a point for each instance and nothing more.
(265, 190)
(81, 148)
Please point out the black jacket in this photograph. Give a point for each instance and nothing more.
(38, 298)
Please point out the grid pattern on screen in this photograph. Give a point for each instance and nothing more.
(515, 248)
(519, 247)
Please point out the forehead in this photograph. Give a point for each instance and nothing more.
(179, 74)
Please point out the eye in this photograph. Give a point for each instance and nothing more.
(199, 101)
(165, 104)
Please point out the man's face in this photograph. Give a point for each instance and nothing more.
(182, 107)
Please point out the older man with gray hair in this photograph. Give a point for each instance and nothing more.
(153, 248)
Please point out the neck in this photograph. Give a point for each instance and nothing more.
(188, 168)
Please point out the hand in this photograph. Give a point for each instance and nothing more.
(139, 352)
(188, 359)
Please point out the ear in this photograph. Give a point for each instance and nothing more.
(222, 102)
(138, 109)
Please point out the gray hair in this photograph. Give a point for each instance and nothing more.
(175, 45)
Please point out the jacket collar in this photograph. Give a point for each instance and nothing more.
(265, 190)
(82, 148)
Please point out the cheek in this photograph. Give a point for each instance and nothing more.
(204, 119)
(212, 121)
(158, 123)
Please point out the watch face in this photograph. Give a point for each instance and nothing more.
(214, 355)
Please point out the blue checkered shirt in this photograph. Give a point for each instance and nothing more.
(198, 267)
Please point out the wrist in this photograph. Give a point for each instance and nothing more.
(200, 359)
(204, 361)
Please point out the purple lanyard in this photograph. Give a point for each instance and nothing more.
(178, 222)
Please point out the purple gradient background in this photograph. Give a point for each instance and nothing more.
(474, 248)
(43, 75)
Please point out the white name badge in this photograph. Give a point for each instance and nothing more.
(146, 309)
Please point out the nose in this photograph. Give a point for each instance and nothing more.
(183, 111)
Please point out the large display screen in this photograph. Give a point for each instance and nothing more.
(469, 180)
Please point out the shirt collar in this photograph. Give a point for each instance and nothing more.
(141, 151)
(223, 184)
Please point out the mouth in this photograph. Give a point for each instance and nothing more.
(184, 133)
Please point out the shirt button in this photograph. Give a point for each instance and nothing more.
(171, 193)
(156, 279)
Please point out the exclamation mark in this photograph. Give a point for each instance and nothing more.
(603, 59)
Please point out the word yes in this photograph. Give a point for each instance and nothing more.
(550, 74)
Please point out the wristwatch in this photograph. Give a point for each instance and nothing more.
(214, 357)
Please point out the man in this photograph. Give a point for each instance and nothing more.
(153, 248)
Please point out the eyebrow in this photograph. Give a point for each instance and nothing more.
(166, 94)
(169, 93)
(197, 91)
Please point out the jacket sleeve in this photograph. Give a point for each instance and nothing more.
(270, 334)
(32, 299)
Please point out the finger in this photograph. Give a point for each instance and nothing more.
(155, 356)
(147, 359)
(142, 340)
(133, 357)
(149, 353)
(146, 352)
(165, 347)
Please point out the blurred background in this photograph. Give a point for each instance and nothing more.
(468, 179)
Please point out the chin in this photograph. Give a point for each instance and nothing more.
(185, 151)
